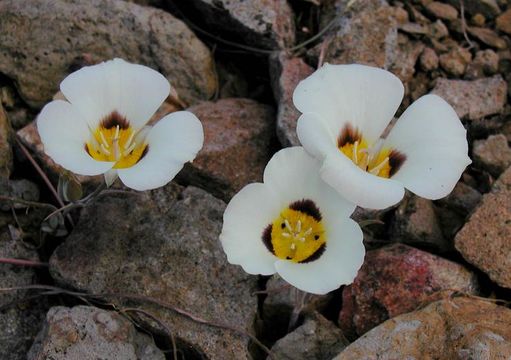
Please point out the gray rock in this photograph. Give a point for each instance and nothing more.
(317, 339)
(416, 223)
(485, 240)
(237, 136)
(473, 99)
(286, 72)
(86, 332)
(462, 199)
(492, 154)
(265, 23)
(20, 319)
(42, 42)
(459, 328)
(163, 244)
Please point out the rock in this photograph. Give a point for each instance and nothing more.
(486, 62)
(20, 189)
(438, 30)
(429, 59)
(492, 154)
(237, 135)
(265, 23)
(473, 99)
(86, 332)
(459, 328)
(317, 339)
(462, 199)
(42, 44)
(488, 37)
(279, 303)
(416, 223)
(485, 240)
(408, 51)
(20, 320)
(503, 22)
(397, 279)
(5, 145)
(478, 20)
(455, 61)
(163, 244)
(286, 72)
(365, 34)
(488, 8)
(442, 11)
(414, 29)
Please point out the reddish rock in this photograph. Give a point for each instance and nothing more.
(429, 59)
(486, 62)
(5, 145)
(504, 22)
(442, 10)
(286, 72)
(492, 154)
(455, 61)
(488, 37)
(485, 240)
(458, 328)
(416, 223)
(407, 53)
(473, 99)
(367, 35)
(237, 135)
(397, 279)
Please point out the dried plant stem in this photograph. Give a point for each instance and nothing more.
(53, 290)
(22, 262)
(300, 300)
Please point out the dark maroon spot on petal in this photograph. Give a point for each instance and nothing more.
(348, 136)
(316, 237)
(396, 160)
(316, 255)
(307, 207)
(114, 119)
(87, 149)
(267, 239)
(144, 153)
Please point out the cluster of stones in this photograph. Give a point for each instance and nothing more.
(163, 244)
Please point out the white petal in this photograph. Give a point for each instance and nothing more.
(64, 133)
(339, 264)
(110, 177)
(358, 186)
(174, 140)
(246, 217)
(434, 141)
(135, 91)
(294, 175)
(315, 136)
(364, 96)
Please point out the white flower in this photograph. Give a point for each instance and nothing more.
(345, 110)
(101, 128)
(293, 224)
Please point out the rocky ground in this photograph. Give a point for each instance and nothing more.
(143, 276)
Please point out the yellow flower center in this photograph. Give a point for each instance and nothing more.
(297, 234)
(382, 162)
(114, 140)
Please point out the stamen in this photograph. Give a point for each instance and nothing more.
(298, 226)
(308, 232)
(128, 142)
(293, 246)
(355, 152)
(128, 150)
(117, 152)
(116, 136)
(288, 226)
(286, 235)
(105, 150)
(375, 170)
(103, 140)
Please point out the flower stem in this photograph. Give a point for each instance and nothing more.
(22, 262)
(300, 299)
